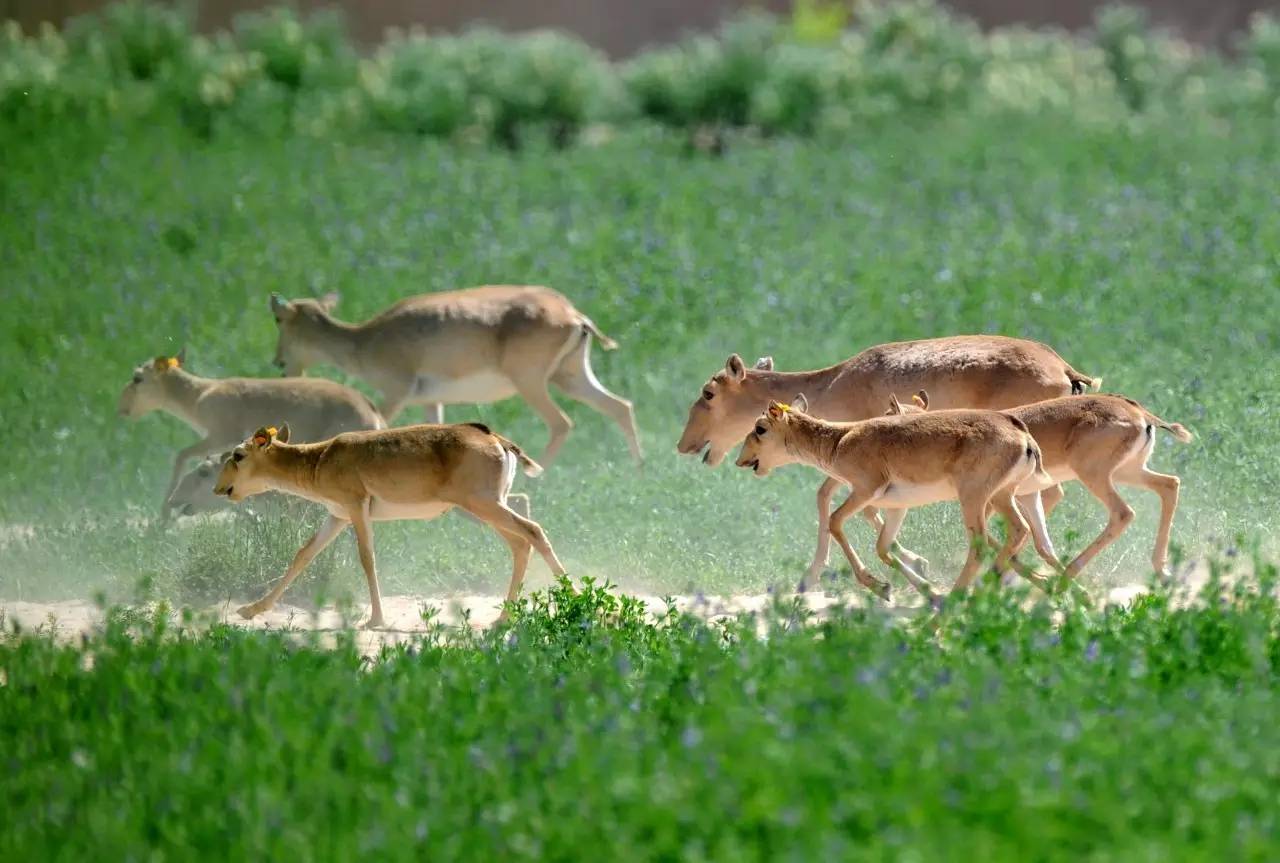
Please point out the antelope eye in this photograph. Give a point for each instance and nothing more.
(708, 395)
(760, 431)
(237, 457)
(137, 378)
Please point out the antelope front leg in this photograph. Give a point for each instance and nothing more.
(820, 555)
(325, 535)
(886, 548)
(364, 540)
(851, 505)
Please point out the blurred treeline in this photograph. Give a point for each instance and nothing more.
(822, 70)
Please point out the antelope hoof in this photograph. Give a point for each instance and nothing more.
(878, 587)
(250, 611)
(375, 621)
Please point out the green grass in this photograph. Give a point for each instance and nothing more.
(1146, 254)
(583, 732)
(1143, 245)
(1144, 249)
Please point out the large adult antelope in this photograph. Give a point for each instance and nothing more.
(470, 346)
(412, 472)
(224, 410)
(1102, 441)
(989, 372)
(896, 463)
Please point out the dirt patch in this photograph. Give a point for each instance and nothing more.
(408, 617)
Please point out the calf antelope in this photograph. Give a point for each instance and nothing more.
(225, 410)
(977, 457)
(990, 372)
(1100, 440)
(412, 472)
(195, 495)
(478, 345)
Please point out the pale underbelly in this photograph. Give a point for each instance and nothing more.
(382, 510)
(1056, 476)
(902, 495)
(478, 388)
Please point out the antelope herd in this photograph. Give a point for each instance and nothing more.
(995, 423)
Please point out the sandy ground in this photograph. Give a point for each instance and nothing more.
(407, 616)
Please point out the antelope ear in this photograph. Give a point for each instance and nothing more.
(330, 301)
(283, 434)
(280, 307)
(777, 409)
(264, 436)
(765, 364)
(182, 356)
(735, 368)
(921, 399)
(800, 403)
(895, 406)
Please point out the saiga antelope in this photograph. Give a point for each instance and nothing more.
(1100, 440)
(412, 472)
(195, 495)
(960, 372)
(895, 463)
(472, 346)
(224, 410)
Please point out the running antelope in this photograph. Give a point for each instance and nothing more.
(975, 456)
(1100, 440)
(478, 345)
(990, 372)
(412, 472)
(224, 410)
(195, 495)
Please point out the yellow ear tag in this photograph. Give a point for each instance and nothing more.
(172, 363)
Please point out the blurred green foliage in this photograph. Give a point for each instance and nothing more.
(1017, 733)
(827, 69)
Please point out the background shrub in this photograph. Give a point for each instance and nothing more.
(822, 70)
(414, 83)
(138, 40)
(298, 53)
(212, 79)
(920, 55)
(39, 81)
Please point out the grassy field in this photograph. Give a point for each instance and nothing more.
(583, 732)
(1133, 224)
(1146, 254)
